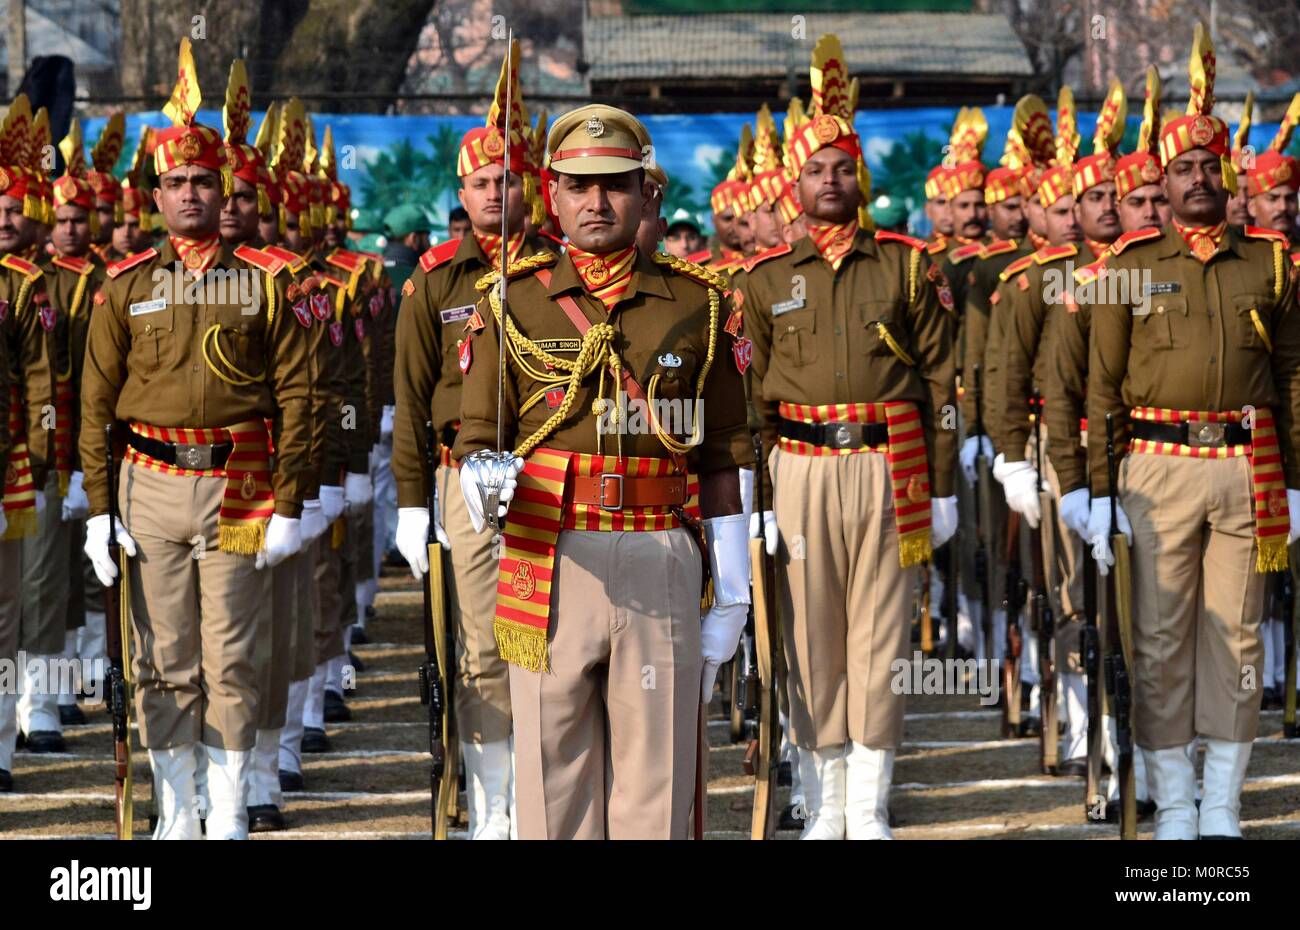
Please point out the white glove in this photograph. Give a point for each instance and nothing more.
(1021, 485)
(943, 520)
(471, 479)
(412, 536)
(386, 424)
(75, 503)
(970, 451)
(1074, 511)
(283, 539)
(96, 547)
(1293, 505)
(771, 535)
(729, 562)
(314, 523)
(357, 491)
(331, 502)
(1099, 531)
(40, 503)
(999, 467)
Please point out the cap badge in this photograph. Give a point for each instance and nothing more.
(96, 181)
(1283, 172)
(595, 127)
(825, 129)
(493, 145)
(189, 146)
(597, 271)
(68, 188)
(1150, 171)
(4, 179)
(193, 259)
(1201, 132)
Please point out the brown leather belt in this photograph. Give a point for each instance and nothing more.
(616, 492)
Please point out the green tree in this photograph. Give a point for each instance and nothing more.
(903, 170)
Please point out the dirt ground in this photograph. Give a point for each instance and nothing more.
(954, 778)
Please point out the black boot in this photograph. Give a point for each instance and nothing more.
(265, 818)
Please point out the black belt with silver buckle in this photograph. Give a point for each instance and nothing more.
(834, 435)
(1196, 435)
(182, 455)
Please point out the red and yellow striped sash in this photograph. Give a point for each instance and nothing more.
(541, 508)
(1272, 516)
(249, 501)
(905, 451)
(19, 491)
(606, 276)
(65, 397)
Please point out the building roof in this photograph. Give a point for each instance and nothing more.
(747, 45)
(47, 37)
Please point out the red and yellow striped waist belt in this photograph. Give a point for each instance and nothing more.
(248, 501)
(571, 491)
(904, 448)
(19, 499)
(1221, 435)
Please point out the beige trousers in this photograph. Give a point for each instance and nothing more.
(336, 590)
(482, 681)
(845, 601)
(274, 639)
(195, 613)
(1063, 566)
(47, 574)
(302, 641)
(606, 741)
(1197, 599)
(11, 601)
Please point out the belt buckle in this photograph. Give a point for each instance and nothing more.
(843, 438)
(1205, 435)
(610, 476)
(196, 458)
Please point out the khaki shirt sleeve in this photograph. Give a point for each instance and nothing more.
(1065, 397)
(1024, 330)
(757, 315)
(357, 435)
(6, 378)
(415, 377)
(288, 368)
(1108, 353)
(1285, 360)
(38, 366)
(107, 347)
(975, 332)
(933, 335)
(478, 401)
(726, 442)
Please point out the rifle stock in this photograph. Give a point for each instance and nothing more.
(117, 633)
(763, 754)
(1041, 619)
(1013, 599)
(1120, 649)
(983, 486)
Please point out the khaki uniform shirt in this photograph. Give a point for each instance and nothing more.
(981, 282)
(29, 360)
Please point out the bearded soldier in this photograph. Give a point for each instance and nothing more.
(439, 299)
(196, 373)
(1199, 370)
(862, 481)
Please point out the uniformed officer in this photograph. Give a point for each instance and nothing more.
(196, 372)
(136, 231)
(963, 186)
(438, 300)
(621, 377)
(937, 210)
(29, 389)
(108, 192)
(854, 388)
(1198, 367)
(1241, 153)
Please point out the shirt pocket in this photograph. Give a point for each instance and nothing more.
(1165, 325)
(882, 321)
(152, 339)
(1250, 320)
(793, 335)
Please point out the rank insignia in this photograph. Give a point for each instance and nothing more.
(554, 397)
(1022, 282)
(743, 352)
(99, 298)
(735, 322)
(945, 298)
(466, 356)
(475, 323)
(336, 333)
(301, 311)
(48, 317)
(320, 305)
(408, 288)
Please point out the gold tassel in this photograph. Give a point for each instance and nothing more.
(227, 181)
(263, 201)
(914, 548)
(521, 645)
(119, 212)
(64, 478)
(94, 222)
(890, 341)
(22, 524)
(1272, 556)
(337, 533)
(1229, 174)
(242, 539)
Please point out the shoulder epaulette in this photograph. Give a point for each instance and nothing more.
(884, 235)
(74, 264)
(330, 279)
(269, 263)
(1136, 235)
(1090, 272)
(130, 262)
(1019, 265)
(1259, 232)
(1050, 253)
(1295, 259)
(342, 258)
(937, 246)
(700, 257)
(961, 253)
(756, 260)
(1001, 247)
(295, 261)
(22, 266)
(526, 265)
(722, 265)
(692, 270)
(436, 255)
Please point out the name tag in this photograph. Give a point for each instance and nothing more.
(1161, 287)
(148, 306)
(787, 305)
(559, 345)
(456, 314)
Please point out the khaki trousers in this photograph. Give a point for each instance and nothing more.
(302, 643)
(483, 679)
(845, 601)
(606, 741)
(1197, 599)
(78, 565)
(195, 613)
(336, 590)
(11, 600)
(1063, 566)
(47, 573)
(274, 637)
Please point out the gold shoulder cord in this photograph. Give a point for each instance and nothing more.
(1255, 318)
(270, 300)
(887, 337)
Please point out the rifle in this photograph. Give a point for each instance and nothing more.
(1289, 617)
(763, 755)
(117, 634)
(1041, 620)
(1119, 610)
(1013, 600)
(923, 617)
(950, 582)
(436, 686)
(743, 681)
(1094, 800)
(983, 484)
